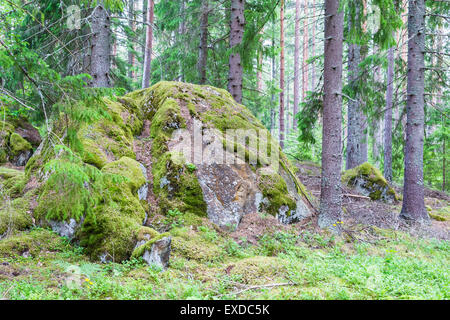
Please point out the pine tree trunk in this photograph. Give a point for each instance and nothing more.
(203, 53)
(146, 76)
(388, 116)
(356, 139)
(282, 74)
(331, 194)
(100, 47)
(236, 33)
(313, 67)
(132, 25)
(413, 190)
(305, 51)
(296, 60)
(259, 78)
(181, 32)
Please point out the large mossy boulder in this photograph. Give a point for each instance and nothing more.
(202, 166)
(96, 192)
(369, 181)
(18, 138)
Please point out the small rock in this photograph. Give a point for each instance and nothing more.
(159, 253)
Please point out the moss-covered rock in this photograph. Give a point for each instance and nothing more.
(15, 215)
(95, 187)
(370, 182)
(17, 139)
(224, 191)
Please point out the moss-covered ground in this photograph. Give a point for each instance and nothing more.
(209, 264)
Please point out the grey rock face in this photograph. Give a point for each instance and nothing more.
(143, 191)
(64, 228)
(22, 159)
(160, 253)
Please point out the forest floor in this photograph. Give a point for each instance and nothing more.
(377, 257)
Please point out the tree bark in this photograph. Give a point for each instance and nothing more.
(147, 73)
(100, 47)
(282, 74)
(296, 61)
(331, 193)
(313, 39)
(413, 190)
(203, 52)
(305, 51)
(388, 117)
(236, 34)
(356, 139)
(132, 25)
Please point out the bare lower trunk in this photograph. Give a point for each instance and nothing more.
(282, 74)
(331, 194)
(388, 117)
(413, 193)
(356, 139)
(132, 25)
(305, 51)
(100, 47)
(203, 53)
(236, 33)
(313, 39)
(146, 76)
(296, 60)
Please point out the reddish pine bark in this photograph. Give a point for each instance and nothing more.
(282, 74)
(236, 33)
(313, 68)
(331, 194)
(296, 60)
(305, 51)
(413, 190)
(132, 25)
(148, 46)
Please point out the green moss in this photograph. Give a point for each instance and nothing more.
(275, 189)
(16, 215)
(255, 270)
(153, 236)
(373, 181)
(128, 168)
(12, 181)
(35, 241)
(112, 229)
(190, 245)
(177, 186)
(18, 144)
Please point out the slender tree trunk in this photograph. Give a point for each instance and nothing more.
(181, 32)
(288, 116)
(313, 67)
(356, 144)
(236, 33)
(305, 51)
(100, 47)
(413, 195)
(331, 193)
(388, 117)
(203, 53)
(132, 25)
(274, 71)
(282, 74)
(297, 61)
(259, 78)
(146, 77)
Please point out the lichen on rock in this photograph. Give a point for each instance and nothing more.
(369, 181)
